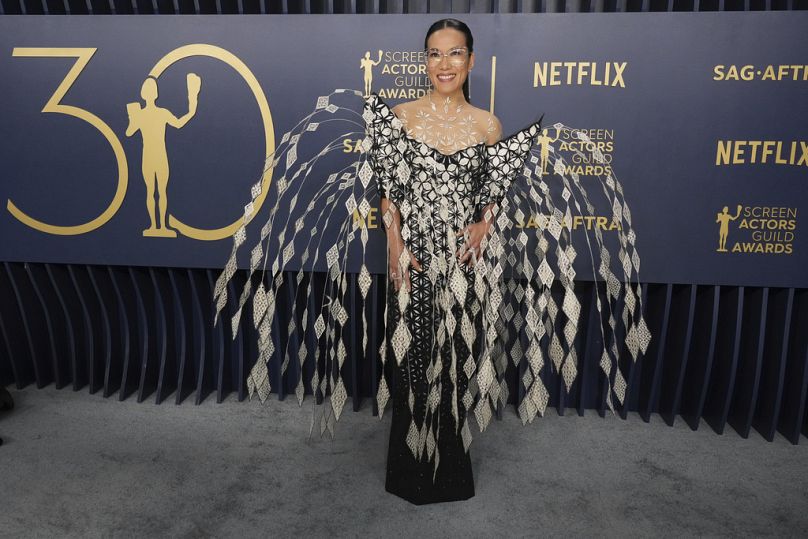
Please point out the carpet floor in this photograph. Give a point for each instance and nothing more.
(79, 465)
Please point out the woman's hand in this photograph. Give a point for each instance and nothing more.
(470, 251)
(400, 272)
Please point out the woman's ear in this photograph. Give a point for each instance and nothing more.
(471, 61)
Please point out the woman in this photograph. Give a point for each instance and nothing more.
(469, 293)
(427, 458)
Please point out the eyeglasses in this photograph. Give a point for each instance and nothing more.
(457, 56)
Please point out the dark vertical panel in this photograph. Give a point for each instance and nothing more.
(44, 307)
(728, 351)
(222, 378)
(775, 350)
(67, 316)
(796, 377)
(31, 324)
(63, 277)
(659, 322)
(294, 334)
(164, 341)
(753, 339)
(99, 331)
(590, 357)
(117, 326)
(130, 327)
(100, 7)
(185, 338)
(77, 7)
(679, 348)
(8, 371)
(11, 326)
(54, 7)
(238, 347)
(124, 7)
(635, 367)
(151, 328)
(276, 6)
(12, 7)
(187, 7)
(33, 7)
(166, 7)
(697, 375)
(201, 349)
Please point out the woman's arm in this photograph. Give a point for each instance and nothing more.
(399, 270)
(476, 232)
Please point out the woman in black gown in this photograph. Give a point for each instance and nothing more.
(445, 179)
(437, 213)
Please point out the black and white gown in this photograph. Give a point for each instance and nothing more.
(441, 193)
(451, 338)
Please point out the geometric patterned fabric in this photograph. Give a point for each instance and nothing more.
(450, 326)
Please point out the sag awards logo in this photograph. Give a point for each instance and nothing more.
(395, 74)
(756, 230)
(751, 72)
(521, 221)
(582, 162)
(151, 121)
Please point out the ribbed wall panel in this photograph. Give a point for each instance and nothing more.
(728, 355)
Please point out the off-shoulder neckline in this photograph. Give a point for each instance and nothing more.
(417, 141)
(467, 148)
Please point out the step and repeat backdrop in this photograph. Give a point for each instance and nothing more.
(108, 121)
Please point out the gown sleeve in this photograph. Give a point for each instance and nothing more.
(504, 161)
(385, 146)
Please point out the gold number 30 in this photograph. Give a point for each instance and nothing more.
(54, 105)
(83, 56)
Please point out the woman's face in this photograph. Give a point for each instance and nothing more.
(448, 61)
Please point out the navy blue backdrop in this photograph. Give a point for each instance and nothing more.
(695, 111)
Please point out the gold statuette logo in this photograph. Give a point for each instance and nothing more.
(400, 74)
(152, 121)
(759, 230)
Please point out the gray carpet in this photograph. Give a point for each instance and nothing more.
(78, 465)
